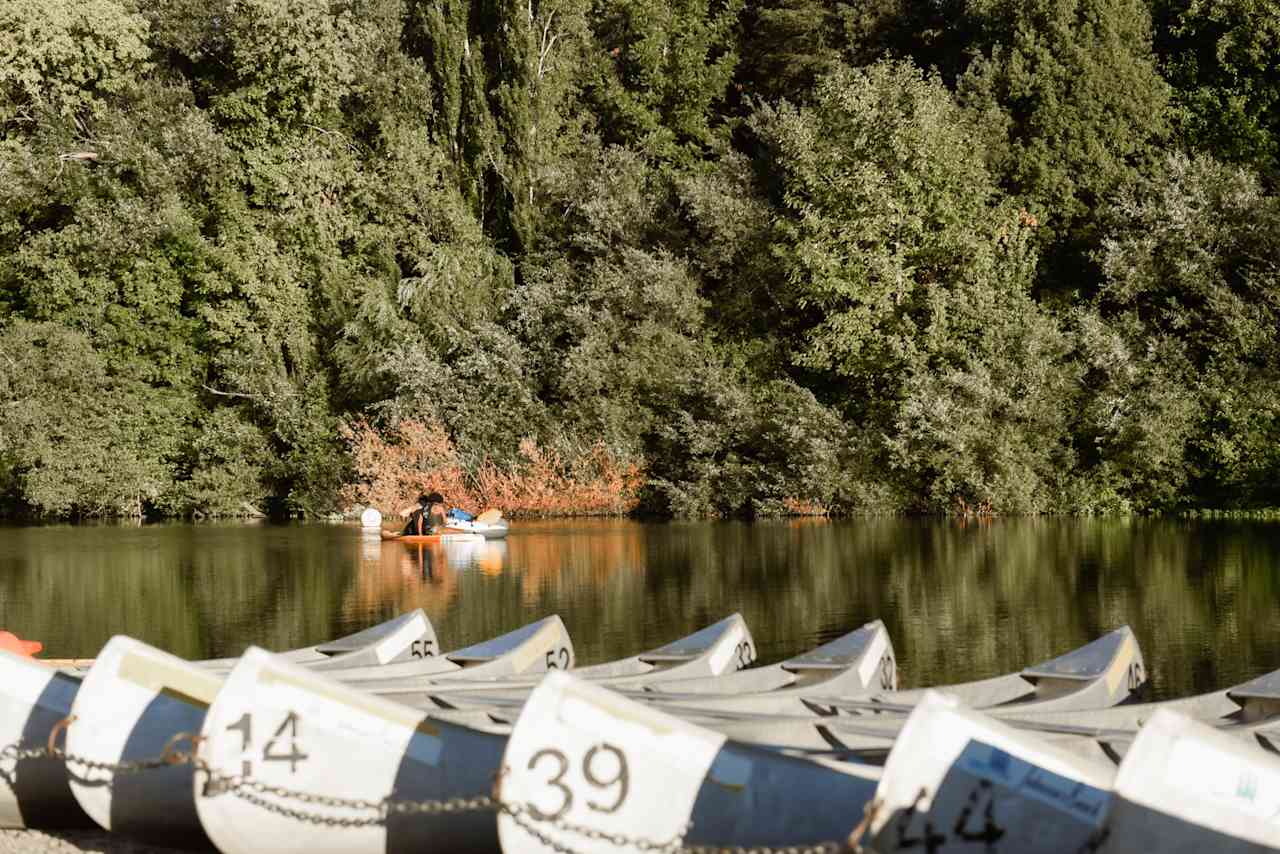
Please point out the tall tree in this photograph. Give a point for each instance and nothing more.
(1076, 106)
(1223, 60)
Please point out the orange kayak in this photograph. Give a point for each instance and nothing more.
(447, 536)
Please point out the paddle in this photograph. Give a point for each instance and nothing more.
(488, 517)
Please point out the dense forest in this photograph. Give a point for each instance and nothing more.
(729, 256)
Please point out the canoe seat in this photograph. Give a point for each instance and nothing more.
(668, 657)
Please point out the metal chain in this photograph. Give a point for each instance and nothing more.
(260, 795)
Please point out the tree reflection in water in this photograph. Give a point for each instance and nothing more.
(961, 600)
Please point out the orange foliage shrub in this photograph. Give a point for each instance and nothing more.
(804, 507)
(416, 457)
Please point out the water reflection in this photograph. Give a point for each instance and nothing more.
(961, 601)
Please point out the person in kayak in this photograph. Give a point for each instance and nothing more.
(428, 517)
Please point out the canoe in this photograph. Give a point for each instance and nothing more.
(958, 780)
(1248, 710)
(1100, 674)
(866, 726)
(853, 664)
(723, 647)
(34, 791)
(132, 702)
(586, 766)
(457, 536)
(533, 649)
(860, 659)
(489, 530)
(1186, 788)
(290, 727)
(401, 638)
(407, 637)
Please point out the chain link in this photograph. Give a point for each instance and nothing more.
(379, 812)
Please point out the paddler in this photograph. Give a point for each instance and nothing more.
(427, 517)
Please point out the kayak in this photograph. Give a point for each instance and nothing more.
(495, 530)
(449, 536)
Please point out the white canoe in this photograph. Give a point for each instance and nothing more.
(1186, 788)
(961, 781)
(1100, 674)
(1103, 672)
(1248, 710)
(132, 703)
(533, 649)
(294, 729)
(489, 530)
(585, 766)
(34, 792)
(861, 659)
(723, 647)
(853, 664)
(407, 637)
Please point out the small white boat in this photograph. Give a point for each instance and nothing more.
(495, 530)
(407, 637)
(34, 792)
(586, 767)
(131, 705)
(528, 651)
(865, 726)
(961, 781)
(723, 647)
(1186, 788)
(299, 731)
(856, 663)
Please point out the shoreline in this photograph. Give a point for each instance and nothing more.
(76, 842)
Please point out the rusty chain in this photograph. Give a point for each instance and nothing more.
(380, 811)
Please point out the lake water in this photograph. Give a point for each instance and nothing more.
(961, 600)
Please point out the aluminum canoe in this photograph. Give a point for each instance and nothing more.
(530, 650)
(1104, 672)
(132, 704)
(407, 637)
(34, 792)
(960, 781)
(1185, 787)
(307, 736)
(588, 766)
(723, 647)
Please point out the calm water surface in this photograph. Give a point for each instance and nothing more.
(961, 601)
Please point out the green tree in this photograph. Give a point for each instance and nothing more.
(1076, 107)
(1191, 267)
(664, 73)
(63, 57)
(1221, 59)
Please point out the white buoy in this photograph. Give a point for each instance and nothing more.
(371, 518)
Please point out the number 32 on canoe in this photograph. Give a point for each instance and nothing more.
(582, 755)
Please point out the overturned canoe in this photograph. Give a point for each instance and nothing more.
(960, 781)
(132, 705)
(328, 764)
(586, 767)
(1186, 788)
(33, 788)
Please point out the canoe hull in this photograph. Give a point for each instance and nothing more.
(287, 727)
(34, 792)
(133, 701)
